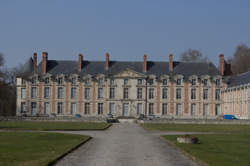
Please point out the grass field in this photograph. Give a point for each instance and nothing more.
(46, 126)
(219, 149)
(34, 148)
(231, 128)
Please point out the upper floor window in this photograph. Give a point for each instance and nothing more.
(100, 93)
(151, 93)
(87, 81)
(112, 82)
(112, 93)
(46, 81)
(139, 82)
(73, 81)
(23, 82)
(217, 82)
(59, 92)
(205, 94)
(193, 81)
(125, 81)
(193, 93)
(217, 94)
(125, 93)
(151, 81)
(164, 82)
(164, 93)
(73, 93)
(205, 82)
(33, 81)
(33, 92)
(139, 93)
(178, 82)
(23, 93)
(178, 93)
(46, 92)
(87, 93)
(60, 81)
(100, 81)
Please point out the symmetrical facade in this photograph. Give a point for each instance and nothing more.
(96, 88)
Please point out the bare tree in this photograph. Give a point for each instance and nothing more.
(192, 55)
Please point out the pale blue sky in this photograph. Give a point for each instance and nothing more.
(127, 29)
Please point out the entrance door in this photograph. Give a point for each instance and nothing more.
(125, 109)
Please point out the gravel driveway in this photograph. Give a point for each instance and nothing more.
(125, 144)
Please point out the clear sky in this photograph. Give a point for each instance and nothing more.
(127, 29)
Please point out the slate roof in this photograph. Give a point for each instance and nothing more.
(240, 79)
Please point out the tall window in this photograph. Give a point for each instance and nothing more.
(164, 109)
(111, 93)
(60, 108)
(73, 81)
(178, 110)
(217, 109)
(100, 93)
(23, 82)
(100, 81)
(164, 93)
(46, 108)
(60, 81)
(87, 93)
(125, 81)
(46, 92)
(217, 94)
(178, 82)
(164, 81)
(139, 82)
(73, 93)
(205, 94)
(73, 108)
(193, 81)
(100, 108)
(205, 82)
(125, 93)
(193, 109)
(205, 109)
(139, 108)
(87, 81)
(23, 93)
(46, 81)
(33, 92)
(23, 107)
(217, 82)
(59, 92)
(112, 108)
(86, 108)
(33, 108)
(151, 109)
(33, 81)
(178, 93)
(193, 94)
(151, 81)
(112, 82)
(151, 93)
(139, 93)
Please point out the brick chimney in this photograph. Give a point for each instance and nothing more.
(34, 61)
(107, 61)
(171, 62)
(145, 63)
(221, 64)
(44, 62)
(80, 62)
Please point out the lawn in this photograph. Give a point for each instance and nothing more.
(46, 126)
(232, 128)
(35, 148)
(219, 149)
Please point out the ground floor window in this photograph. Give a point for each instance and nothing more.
(178, 110)
(33, 108)
(151, 109)
(125, 109)
(100, 108)
(86, 108)
(23, 107)
(193, 109)
(73, 108)
(205, 109)
(164, 109)
(217, 109)
(60, 108)
(112, 108)
(139, 108)
(46, 108)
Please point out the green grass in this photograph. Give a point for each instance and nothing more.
(219, 149)
(45, 126)
(34, 148)
(198, 127)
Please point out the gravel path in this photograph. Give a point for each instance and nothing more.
(124, 145)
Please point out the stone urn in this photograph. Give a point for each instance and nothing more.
(187, 139)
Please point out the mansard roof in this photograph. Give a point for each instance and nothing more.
(241, 79)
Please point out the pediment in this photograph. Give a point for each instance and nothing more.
(129, 73)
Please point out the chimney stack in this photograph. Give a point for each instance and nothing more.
(44, 62)
(221, 64)
(107, 61)
(80, 62)
(145, 63)
(34, 61)
(170, 62)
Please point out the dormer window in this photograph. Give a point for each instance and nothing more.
(46, 81)
(100, 81)
(87, 81)
(139, 82)
(33, 81)
(151, 81)
(60, 81)
(112, 82)
(73, 81)
(205, 82)
(23, 82)
(193, 81)
(164, 81)
(217, 82)
(178, 82)
(125, 81)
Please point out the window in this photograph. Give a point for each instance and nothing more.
(139, 82)
(60, 81)
(164, 81)
(217, 82)
(111, 93)
(151, 93)
(205, 82)
(193, 81)
(87, 93)
(100, 108)
(205, 109)
(112, 82)
(178, 82)
(164, 93)
(139, 93)
(139, 108)
(73, 108)
(87, 81)
(86, 108)
(33, 92)
(178, 110)
(33, 108)
(151, 109)
(193, 94)
(33, 81)
(23, 82)
(46, 92)
(23, 107)
(125, 109)
(205, 94)
(46, 108)
(217, 94)
(125, 81)
(164, 109)
(100, 81)
(60, 108)
(73, 93)
(178, 93)
(217, 109)
(59, 92)
(193, 109)
(100, 93)
(23, 93)
(151, 81)
(125, 93)
(46, 81)
(112, 108)
(73, 81)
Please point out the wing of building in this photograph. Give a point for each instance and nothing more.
(168, 89)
